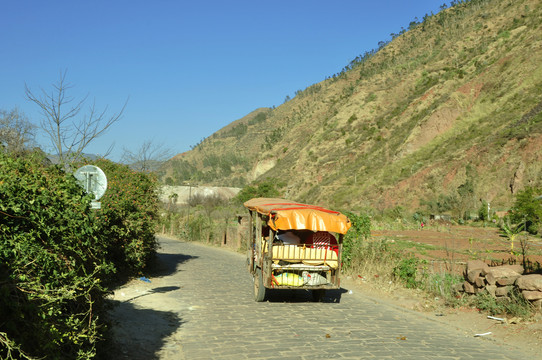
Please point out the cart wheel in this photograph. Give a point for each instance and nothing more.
(259, 289)
(318, 295)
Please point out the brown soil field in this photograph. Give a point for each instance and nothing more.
(451, 246)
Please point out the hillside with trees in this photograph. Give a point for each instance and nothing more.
(443, 118)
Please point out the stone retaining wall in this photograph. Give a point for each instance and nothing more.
(500, 280)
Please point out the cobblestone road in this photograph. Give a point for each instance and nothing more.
(200, 306)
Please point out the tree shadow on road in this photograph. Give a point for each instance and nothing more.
(167, 264)
(139, 334)
(158, 290)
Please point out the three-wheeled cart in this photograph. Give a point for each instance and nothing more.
(294, 246)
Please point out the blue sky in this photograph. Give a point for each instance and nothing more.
(187, 68)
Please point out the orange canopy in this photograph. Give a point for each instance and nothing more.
(291, 215)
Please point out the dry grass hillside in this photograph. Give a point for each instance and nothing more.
(445, 115)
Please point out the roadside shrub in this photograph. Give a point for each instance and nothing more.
(128, 217)
(51, 263)
(197, 228)
(515, 304)
(406, 271)
(373, 258)
(57, 255)
(170, 221)
(359, 231)
(443, 285)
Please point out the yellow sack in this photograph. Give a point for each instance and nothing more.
(289, 279)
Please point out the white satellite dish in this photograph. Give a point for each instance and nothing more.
(93, 180)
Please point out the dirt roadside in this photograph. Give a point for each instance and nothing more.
(443, 243)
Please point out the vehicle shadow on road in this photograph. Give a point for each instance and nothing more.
(300, 296)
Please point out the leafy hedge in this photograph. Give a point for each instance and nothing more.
(128, 216)
(57, 255)
(360, 230)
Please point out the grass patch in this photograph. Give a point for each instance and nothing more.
(374, 258)
(443, 285)
(514, 304)
(403, 245)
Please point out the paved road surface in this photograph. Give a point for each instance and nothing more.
(199, 305)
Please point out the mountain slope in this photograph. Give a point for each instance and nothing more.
(445, 115)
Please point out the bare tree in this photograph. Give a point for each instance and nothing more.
(147, 157)
(16, 131)
(70, 131)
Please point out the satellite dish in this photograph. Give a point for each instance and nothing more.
(93, 180)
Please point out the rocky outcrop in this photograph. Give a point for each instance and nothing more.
(499, 281)
(531, 288)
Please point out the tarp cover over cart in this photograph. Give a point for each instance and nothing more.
(293, 246)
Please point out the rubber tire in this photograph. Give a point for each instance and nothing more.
(318, 294)
(259, 289)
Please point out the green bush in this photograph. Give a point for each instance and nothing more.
(197, 228)
(359, 231)
(51, 262)
(406, 271)
(527, 209)
(57, 255)
(128, 217)
(483, 211)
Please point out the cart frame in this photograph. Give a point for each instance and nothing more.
(266, 259)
